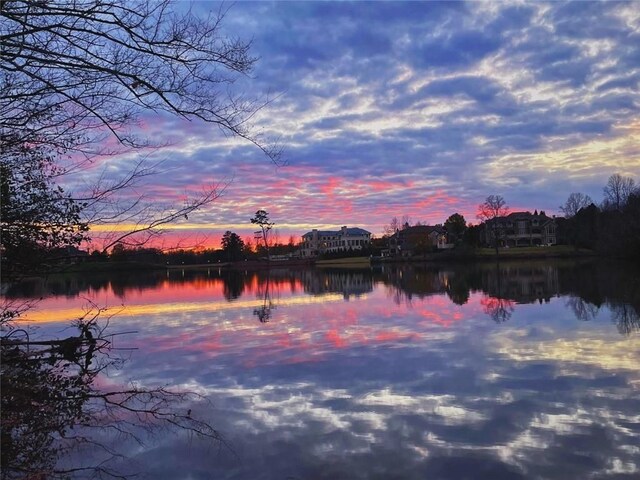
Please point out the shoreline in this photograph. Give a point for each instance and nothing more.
(453, 256)
(482, 254)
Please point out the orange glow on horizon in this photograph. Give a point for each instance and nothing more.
(70, 314)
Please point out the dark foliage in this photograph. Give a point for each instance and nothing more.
(232, 246)
(40, 222)
(610, 231)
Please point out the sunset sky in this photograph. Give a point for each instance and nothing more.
(420, 109)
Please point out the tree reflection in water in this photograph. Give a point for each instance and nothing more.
(625, 317)
(53, 406)
(234, 283)
(499, 309)
(587, 284)
(264, 311)
(582, 309)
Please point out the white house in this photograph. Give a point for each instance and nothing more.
(317, 242)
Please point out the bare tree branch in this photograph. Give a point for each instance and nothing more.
(98, 64)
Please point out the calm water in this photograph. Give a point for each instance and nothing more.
(523, 370)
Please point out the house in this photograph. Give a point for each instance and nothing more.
(418, 239)
(69, 255)
(519, 229)
(318, 242)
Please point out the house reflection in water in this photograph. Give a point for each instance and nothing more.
(347, 282)
(523, 283)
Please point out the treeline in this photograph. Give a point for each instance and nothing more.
(608, 231)
(234, 249)
(611, 229)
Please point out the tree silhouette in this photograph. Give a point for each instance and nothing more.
(626, 317)
(261, 219)
(233, 284)
(455, 225)
(575, 203)
(38, 218)
(499, 309)
(72, 70)
(617, 191)
(232, 245)
(489, 212)
(263, 312)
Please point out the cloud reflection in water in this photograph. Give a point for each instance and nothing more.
(388, 386)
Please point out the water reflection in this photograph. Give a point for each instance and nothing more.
(62, 419)
(586, 287)
(263, 312)
(474, 371)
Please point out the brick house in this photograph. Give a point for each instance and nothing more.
(417, 239)
(519, 229)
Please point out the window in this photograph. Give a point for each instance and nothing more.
(522, 228)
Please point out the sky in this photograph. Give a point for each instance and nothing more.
(420, 109)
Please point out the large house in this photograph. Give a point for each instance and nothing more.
(418, 239)
(520, 229)
(317, 242)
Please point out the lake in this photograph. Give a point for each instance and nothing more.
(484, 371)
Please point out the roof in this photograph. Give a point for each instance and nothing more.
(513, 216)
(349, 231)
(323, 232)
(420, 230)
(357, 231)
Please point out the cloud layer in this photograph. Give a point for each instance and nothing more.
(419, 109)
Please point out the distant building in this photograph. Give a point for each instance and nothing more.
(418, 239)
(317, 242)
(69, 255)
(519, 229)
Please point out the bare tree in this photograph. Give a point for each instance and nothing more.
(393, 227)
(489, 212)
(617, 191)
(575, 203)
(626, 317)
(72, 70)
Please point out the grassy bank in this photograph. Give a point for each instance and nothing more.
(534, 252)
(463, 254)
